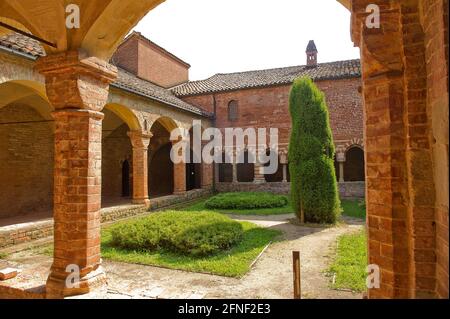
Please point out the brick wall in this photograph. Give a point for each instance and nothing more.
(126, 56)
(148, 61)
(26, 161)
(268, 107)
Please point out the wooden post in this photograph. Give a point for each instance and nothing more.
(297, 281)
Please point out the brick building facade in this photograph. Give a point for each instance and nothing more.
(260, 100)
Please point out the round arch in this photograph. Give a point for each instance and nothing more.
(31, 91)
(354, 164)
(126, 115)
(160, 166)
(168, 123)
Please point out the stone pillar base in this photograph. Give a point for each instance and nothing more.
(141, 201)
(259, 181)
(56, 287)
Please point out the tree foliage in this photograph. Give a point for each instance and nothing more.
(314, 192)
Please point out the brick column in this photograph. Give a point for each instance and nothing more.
(400, 190)
(140, 142)
(179, 176)
(207, 173)
(77, 87)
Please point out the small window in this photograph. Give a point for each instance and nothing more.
(233, 111)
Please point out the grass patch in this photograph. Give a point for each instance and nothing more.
(349, 266)
(3, 255)
(354, 208)
(234, 262)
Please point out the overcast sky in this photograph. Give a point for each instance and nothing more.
(221, 36)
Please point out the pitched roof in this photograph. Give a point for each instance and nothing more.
(20, 44)
(311, 46)
(129, 82)
(270, 77)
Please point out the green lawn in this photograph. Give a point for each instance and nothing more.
(353, 208)
(349, 266)
(232, 263)
(200, 206)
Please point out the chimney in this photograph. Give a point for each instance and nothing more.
(311, 54)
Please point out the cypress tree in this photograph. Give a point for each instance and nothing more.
(314, 192)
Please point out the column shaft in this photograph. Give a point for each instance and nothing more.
(140, 144)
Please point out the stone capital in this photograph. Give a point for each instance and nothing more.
(75, 81)
(140, 140)
(377, 57)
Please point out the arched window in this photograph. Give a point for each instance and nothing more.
(233, 111)
(354, 165)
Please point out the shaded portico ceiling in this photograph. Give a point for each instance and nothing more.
(103, 23)
(345, 3)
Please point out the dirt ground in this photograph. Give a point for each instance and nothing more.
(271, 276)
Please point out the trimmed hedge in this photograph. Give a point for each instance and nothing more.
(246, 200)
(188, 233)
(314, 193)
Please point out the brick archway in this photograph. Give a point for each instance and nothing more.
(405, 94)
(27, 155)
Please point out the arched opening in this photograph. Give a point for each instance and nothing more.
(161, 172)
(126, 181)
(193, 170)
(117, 159)
(26, 153)
(246, 170)
(225, 170)
(276, 177)
(354, 165)
(160, 166)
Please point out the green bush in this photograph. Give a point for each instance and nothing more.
(188, 233)
(314, 194)
(247, 200)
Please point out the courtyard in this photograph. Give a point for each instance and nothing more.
(269, 273)
(86, 118)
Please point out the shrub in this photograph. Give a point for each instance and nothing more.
(188, 233)
(314, 193)
(246, 201)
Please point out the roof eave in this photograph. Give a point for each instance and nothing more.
(263, 86)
